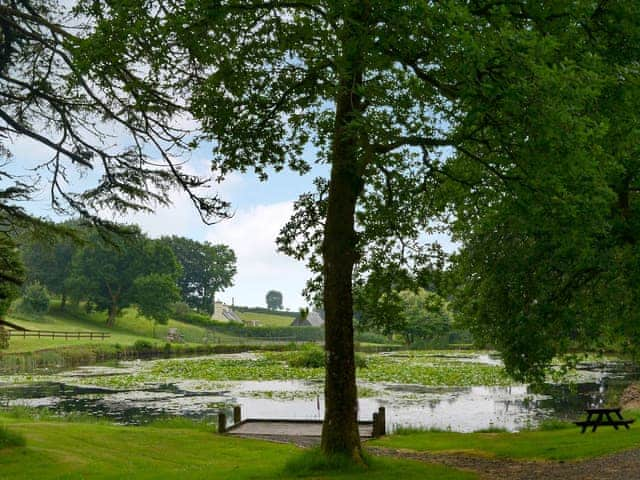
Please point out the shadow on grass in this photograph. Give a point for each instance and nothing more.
(10, 439)
(313, 462)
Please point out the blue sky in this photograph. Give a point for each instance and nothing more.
(260, 210)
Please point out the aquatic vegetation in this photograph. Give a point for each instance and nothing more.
(385, 369)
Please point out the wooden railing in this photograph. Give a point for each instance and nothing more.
(57, 334)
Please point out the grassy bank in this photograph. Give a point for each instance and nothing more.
(73, 450)
(558, 441)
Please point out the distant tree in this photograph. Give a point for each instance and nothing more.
(424, 315)
(36, 299)
(11, 273)
(124, 271)
(206, 270)
(48, 261)
(153, 294)
(274, 300)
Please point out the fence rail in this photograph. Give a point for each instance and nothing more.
(57, 334)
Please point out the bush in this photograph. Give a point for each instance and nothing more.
(36, 299)
(310, 356)
(143, 346)
(313, 356)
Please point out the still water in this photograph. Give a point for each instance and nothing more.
(455, 408)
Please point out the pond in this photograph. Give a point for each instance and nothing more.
(451, 390)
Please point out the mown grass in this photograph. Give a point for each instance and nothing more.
(130, 327)
(56, 450)
(557, 441)
(9, 438)
(265, 319)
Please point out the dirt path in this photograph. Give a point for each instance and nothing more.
(618, 466)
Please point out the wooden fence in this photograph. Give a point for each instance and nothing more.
(57, 334)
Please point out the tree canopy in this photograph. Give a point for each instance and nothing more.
(206, 270)
(397, 98)
(114, 127)
(274, 300)
(124, 271)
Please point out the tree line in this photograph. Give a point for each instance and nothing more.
(113, 271)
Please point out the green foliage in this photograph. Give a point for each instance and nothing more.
(313, 356)
(410, 369)
(420, 316)
(206, 270)
(11, 273)
(154, 293)
(48, 261)
(35, 299)
(143, 346)
(10, 439)
(119, 271)
(274, 300)
(310, 356)
(424, 315)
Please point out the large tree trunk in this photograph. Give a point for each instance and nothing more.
(340, 429)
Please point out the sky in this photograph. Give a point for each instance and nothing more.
(260, 209)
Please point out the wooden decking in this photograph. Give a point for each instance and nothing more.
(301, 432)
(261, 428)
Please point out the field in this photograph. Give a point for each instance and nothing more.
(129, 328)
(266, 319)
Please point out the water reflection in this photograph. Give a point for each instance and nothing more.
(452, 408)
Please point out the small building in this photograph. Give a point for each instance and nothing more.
(224, 313)
(314, 319)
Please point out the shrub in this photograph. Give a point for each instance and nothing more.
(310, 356)
(143, 346)
(36, 299)
(313, 356)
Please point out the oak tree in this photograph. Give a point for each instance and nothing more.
(387, 92)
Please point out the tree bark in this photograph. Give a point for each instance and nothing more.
(340, 429)
(63, 301)
(113, 311)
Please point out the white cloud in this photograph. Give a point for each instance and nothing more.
(252, 234)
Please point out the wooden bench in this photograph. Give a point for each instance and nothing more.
(599, 421)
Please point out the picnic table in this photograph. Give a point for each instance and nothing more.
(599, 420)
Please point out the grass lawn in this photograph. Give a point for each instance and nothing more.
(558, 444)
(129, 327)
(265, 319)
(68, 450)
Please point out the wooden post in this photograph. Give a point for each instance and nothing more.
(237, 414)
(222, 422)
(382, 421)
(375, 425)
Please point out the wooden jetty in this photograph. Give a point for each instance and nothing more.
(283, 429)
